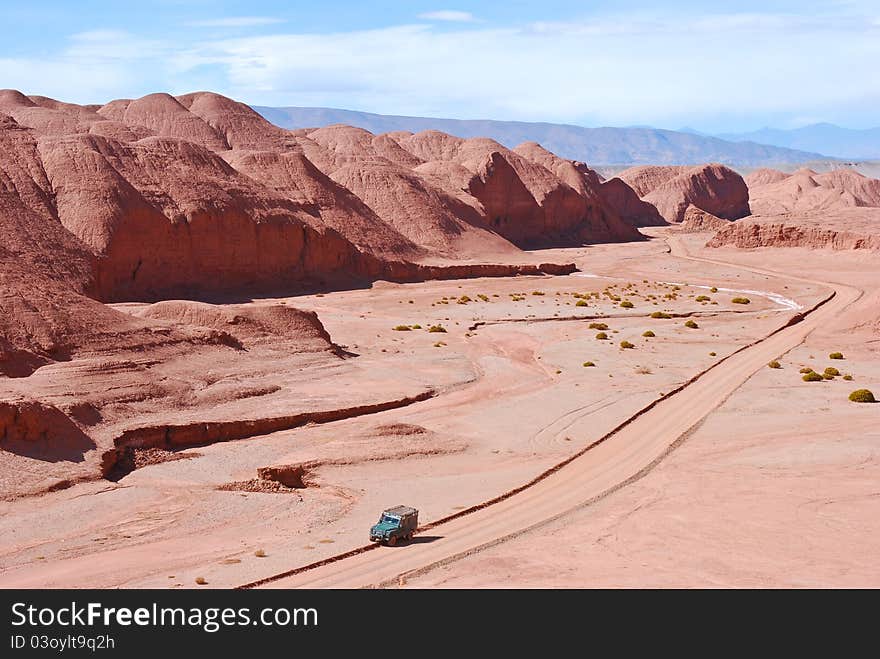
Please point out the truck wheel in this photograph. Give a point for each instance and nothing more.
(392, 541)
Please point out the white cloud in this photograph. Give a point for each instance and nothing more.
(448, 15)
(610, 72)
(661, 70)
(237, 21)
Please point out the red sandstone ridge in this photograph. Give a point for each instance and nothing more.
(697, 220)
(198, 195)
(801, 232)
(763, 176)
(713, 188)
(805, 191)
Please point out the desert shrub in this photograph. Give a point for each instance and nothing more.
(643, 370)
(402, 328)
(714, 289)
(581, 303)
(537, 292)
(260, 553)
(848, 377)
(712, 354)
(484, 298)
(626, 344)
(588, 364)
(437, 328)
(862, 396)
(626, 304)
(691, 324)
(774, 364)
(601, 336)
(835, 355)
(827, 376)
(741, 300)
(598, 326)
(660, 314)
(464, 299)
(416, 326)
(702, 298)
(812, 376)
(201, 581)
(806, 369)
(831, 371)
(648, 334)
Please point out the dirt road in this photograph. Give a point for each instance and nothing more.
(604, 467)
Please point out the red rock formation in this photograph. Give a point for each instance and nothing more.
(763, 176)
(249, 325)
(806, 191)
(631, 208)
(713, 188)
(749, 235)
(697, 220)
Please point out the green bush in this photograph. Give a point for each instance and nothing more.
(812, 376)
(831, 371)
(835, 355)
(648, 334)
(626, 345)
(862, 396)
(691, 324)
(660, 314)
(774, 364)
(437, 328)
(581, 303)
(402, 328)
(626, 304)
(598, 326)
(588, 364)
(741, 300)
(601, 336)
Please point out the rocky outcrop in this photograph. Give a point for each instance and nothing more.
(713, 188)
(249, 325)
(631, 208)
(806, 191)
(697, 220)
(763, 176)
(749, 235)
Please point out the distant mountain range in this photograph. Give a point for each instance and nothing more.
(824, 138)
(595, 146)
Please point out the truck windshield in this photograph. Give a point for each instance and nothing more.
(388, 519)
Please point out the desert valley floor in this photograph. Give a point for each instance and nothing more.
(776, 484)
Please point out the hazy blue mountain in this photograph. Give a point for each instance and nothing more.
(824, 138)
(595, 146)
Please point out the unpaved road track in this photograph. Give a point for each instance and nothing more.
(607, 465)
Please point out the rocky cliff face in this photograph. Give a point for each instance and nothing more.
(713, 188)
(748, 235)
(199, 196)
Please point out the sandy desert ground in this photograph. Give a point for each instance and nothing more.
(768, 500)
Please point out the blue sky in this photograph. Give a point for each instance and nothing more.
(672, 64)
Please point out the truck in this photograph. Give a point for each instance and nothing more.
(395, 525)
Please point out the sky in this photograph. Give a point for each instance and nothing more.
(714, 67)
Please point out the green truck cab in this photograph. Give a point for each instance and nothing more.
(395, 525)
